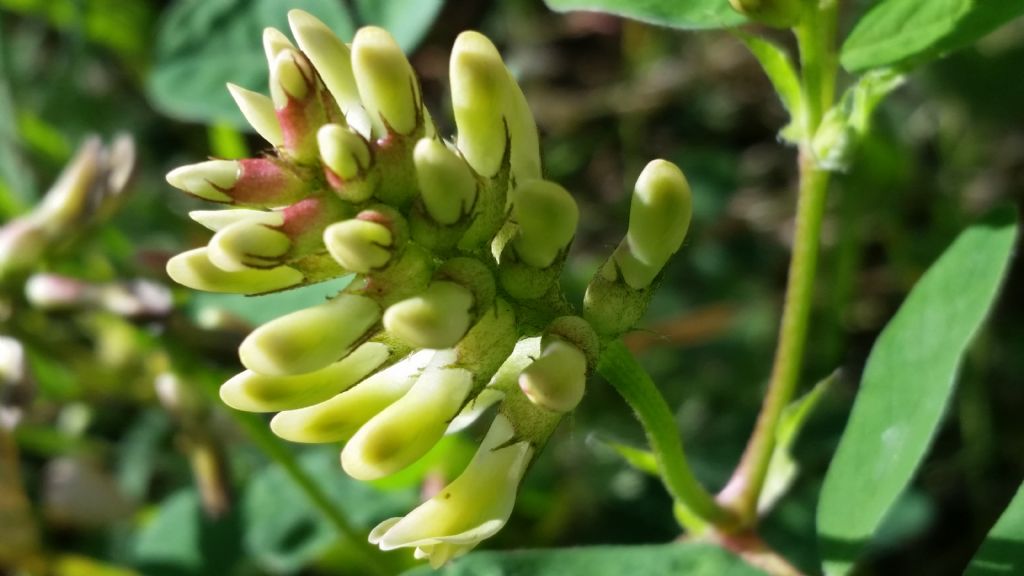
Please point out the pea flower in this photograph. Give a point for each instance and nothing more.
(456, 245)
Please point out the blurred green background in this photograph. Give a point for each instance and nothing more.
(107, 479)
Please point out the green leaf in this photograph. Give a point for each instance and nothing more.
(407, 20)
(777, 64)
(203, 44)
(909, 32)
(1002, 552)
(638, 458)
(181, 541)
(690, 559)
(687, 15)
(906, 386)
(783, 468)
(284, 531)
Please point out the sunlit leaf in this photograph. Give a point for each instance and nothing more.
(897, 32)
(688, 15)
(906, 386)
(1002, 553)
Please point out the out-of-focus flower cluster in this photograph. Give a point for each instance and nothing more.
(457, 246)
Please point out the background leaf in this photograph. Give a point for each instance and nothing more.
(907, 382)
(688, 14)
(203, 44)
(407, 20)
(1002, 553)
(912, 31)
(181, 541)
(689, 559)
(284, 531)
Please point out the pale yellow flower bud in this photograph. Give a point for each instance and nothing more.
(438, 318)
(556, 381)
(479, 83)
(207, 180)
(447, 184)
(659, 217)
(547, 216)
(359, 245)
(254, 392)
(247, 244)
(473, 507)
(258, 111)
(194, 269)
(343, 151)
(328, 54)
(216, 220)
(309, 339)
(339, 418)
(409, 428)
(387, 84)
(290, 78)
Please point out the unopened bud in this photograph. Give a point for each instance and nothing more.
(216, 220)
(338, 418)
(659, 217)
(523, 139)
(387, 84)
(255, 392)
(479, 83)
(447, 184)
(195, 270)
(328, 54)
(436, 319)
(359, 245)
(344, 152)
(275, 42)
(254, 182)
(290, 78)
(557, 379)
(247, 244)
(547, 216)
(309, 339)
(258, 111)
(207, 180)
(409, 428)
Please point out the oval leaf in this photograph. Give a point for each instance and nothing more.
(907, 382)
(690, 559)
(1003, 549)
(913, 31)
(687, 15)
(203, 44)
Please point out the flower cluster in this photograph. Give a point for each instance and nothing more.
(457, 247)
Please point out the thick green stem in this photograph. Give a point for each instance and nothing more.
(621, 369)
(816, 39)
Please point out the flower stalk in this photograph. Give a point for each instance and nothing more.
(816, 41)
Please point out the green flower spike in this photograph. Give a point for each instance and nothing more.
(457, 246)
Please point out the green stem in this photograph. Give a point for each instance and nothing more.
(621, 369)
(816, 39)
